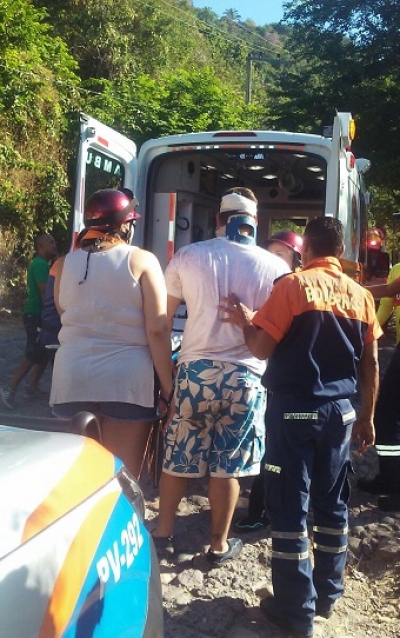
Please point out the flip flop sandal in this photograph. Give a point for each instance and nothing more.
(235, 547)
(164, 546)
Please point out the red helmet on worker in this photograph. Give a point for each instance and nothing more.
(109, 208)
(288, 238)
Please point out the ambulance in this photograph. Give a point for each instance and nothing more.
(179, 180)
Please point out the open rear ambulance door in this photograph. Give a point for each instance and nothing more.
(106, 159)
(343, 191)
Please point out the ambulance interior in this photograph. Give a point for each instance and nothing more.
(290, 187)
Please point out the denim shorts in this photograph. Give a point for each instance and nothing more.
(218, 423)
(109, 409)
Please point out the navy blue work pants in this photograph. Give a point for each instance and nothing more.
(307, 458)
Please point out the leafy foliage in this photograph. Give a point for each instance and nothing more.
(347, 57)
(156, 67)
(37, 80)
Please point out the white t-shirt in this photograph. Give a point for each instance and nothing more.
(204, 272)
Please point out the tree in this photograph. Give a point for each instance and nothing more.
(231, 15)
(37, 83)
(348, 57)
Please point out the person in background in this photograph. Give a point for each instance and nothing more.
(218, 425)
(319, 331)
(286, 244)
(388, 305)
(35, 357)
(50, 322)
(112, 301)
(387, 413)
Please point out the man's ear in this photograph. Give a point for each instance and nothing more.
(218, 220)
(343, 248)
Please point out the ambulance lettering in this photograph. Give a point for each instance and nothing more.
(103, 163)
(122, 553)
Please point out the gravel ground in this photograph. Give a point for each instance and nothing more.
(223, 602)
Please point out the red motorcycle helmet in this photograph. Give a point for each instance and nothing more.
(109, 208)
(287, 238)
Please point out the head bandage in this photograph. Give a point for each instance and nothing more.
(238, 204)
(241, 212)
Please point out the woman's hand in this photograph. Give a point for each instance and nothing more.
(166, 407)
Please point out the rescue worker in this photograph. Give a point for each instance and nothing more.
(388, 305)
(387, 412)
(286, 244)
(316, 329)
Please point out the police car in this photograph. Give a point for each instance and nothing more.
(76, 560)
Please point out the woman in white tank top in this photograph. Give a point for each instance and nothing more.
(112, 301)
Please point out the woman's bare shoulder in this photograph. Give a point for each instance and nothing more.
(143, 257)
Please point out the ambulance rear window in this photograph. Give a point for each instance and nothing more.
(102, 171)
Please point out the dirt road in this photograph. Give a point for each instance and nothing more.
(224, 602)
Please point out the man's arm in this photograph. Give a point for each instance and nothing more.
(363, 429)
(385, 290)
(173, 304)
(259, 342)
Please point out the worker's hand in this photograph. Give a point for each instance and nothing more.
(363, 434)
(237, 313)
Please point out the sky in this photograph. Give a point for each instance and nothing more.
(260, 11)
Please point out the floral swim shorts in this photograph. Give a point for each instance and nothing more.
(218, 422)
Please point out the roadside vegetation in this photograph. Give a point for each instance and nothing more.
(155, 67)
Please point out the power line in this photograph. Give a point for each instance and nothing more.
(211, 27)
(242, 26)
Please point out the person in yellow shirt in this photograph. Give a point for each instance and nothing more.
(389, 304)
(387, 411)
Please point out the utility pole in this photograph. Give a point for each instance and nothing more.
(257, 57)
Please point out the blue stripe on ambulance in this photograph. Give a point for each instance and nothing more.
(110, 589)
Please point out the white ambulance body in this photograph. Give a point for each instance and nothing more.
(179, 180)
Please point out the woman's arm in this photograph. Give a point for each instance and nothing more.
(154, 295)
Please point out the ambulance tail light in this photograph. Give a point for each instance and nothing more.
(376, 239)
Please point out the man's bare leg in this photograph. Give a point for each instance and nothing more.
(223, 494)
(20, 373)
(37, 372)
(172, 490)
